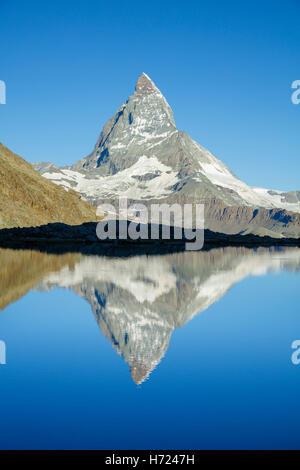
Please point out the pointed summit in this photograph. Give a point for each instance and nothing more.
(145, 85)
(140, 123)
(139, 373)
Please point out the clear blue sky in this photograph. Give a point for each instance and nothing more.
(226, 68)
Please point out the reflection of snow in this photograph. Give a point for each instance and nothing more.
(252, 265)
(139, 301)
(145, 278)
(148, 278)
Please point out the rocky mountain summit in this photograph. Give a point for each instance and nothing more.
(141, 154)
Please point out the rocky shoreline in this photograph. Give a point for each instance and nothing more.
(58, 237)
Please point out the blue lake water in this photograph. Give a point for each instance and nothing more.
(177, 351)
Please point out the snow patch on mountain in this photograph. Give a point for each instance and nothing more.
(147, 178)
(221, 176)
(278, 199)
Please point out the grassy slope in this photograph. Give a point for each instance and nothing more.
(28, 199)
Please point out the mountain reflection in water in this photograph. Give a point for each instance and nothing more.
(138, 301)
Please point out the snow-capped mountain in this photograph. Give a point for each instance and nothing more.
(142, 155)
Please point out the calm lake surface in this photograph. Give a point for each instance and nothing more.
(177, 351)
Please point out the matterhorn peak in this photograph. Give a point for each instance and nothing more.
(140, 154)
(145, 85)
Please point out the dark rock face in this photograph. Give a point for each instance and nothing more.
(62, 238)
